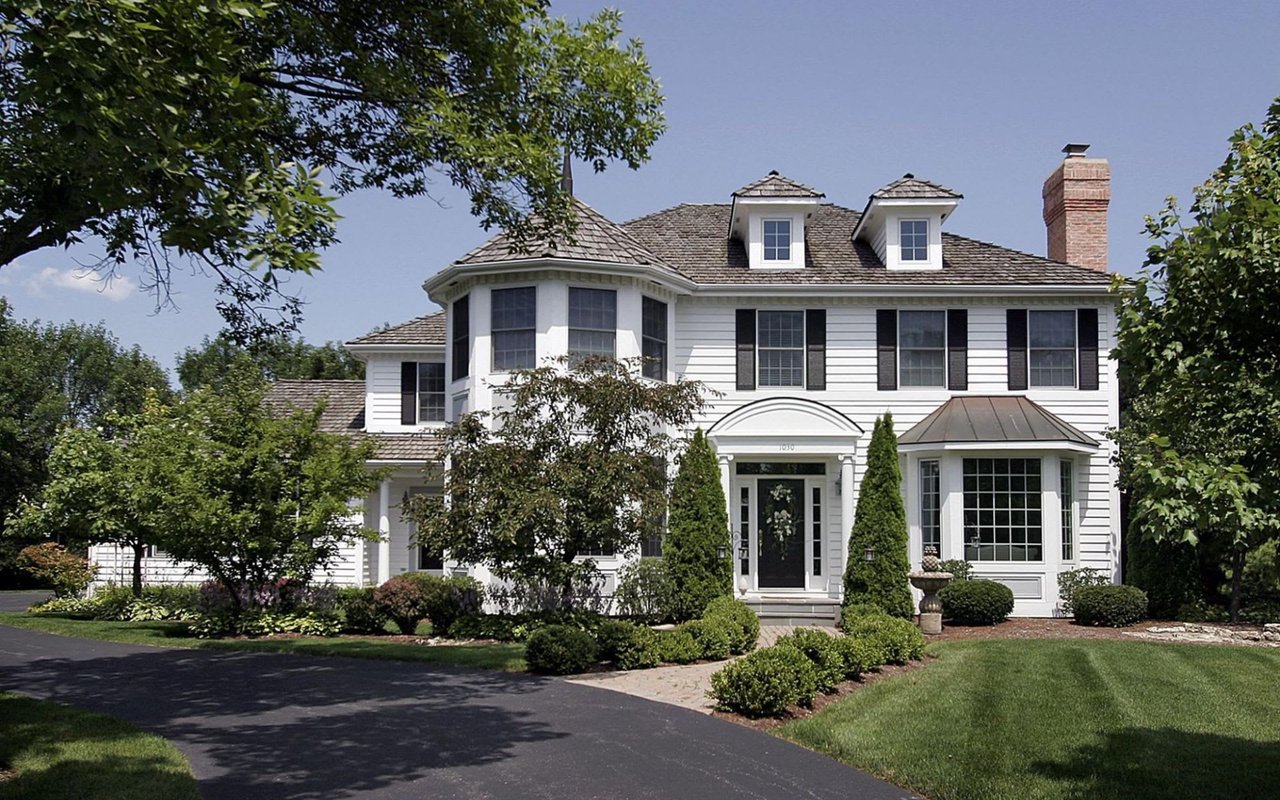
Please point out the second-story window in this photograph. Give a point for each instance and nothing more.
(781, 348)
(593, 322)
(913, 240)
(922, 348)
(777, 240)
(431, 391)
(1051, 347)
(513, 324)
(653, 344)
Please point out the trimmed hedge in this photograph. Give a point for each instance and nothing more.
(899, 640)
(850, 615)
(859, 656)
(976, 602)
(714, 637)
(740, 621)
(678, 647)
(560, 650)
(627, 645)
(519, 627)
(361, 613)
(1110, 606)
(821, 650)
(765, 683)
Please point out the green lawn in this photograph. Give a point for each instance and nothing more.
(495, 655)
(1065, 719)
(56, 752)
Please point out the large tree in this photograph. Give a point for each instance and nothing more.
(1199, 341)
(276, 358)
(876, 562)
(572, 464)
(211, 131)
(697, 547)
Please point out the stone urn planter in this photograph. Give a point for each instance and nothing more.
(930, 579)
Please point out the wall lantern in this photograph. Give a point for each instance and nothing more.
(869, 554)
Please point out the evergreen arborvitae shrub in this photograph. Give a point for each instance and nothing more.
(1169, 572)
(697, 528)
(880, 522)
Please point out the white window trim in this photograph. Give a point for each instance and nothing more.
(1071, 535)
(1075, 351)
(927, 239)
(570, 328)
(493, 347)
(946, 345)
(444, 393)
(764, 248)
(804, 360)
(666, 343)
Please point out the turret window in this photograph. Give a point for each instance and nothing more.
(593, 322)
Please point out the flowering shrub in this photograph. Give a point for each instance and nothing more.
(285, 595)
(66, 573)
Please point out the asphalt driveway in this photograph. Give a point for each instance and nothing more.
(281, 726)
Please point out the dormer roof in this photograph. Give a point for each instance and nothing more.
(911, 187)
(775, 185)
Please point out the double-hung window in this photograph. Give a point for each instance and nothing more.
(430, 391)
(777, 240)
(653, 345)
(593, 322)
(1051, 347)
(922, 348)
(1002, 510)
(913, 240)
(781, 348)
(513, 324)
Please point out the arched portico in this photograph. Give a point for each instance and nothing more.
(783, 460)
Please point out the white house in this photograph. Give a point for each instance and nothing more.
(810, 319)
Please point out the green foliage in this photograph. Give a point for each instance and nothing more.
(446, 599)
(403, 600)
(714, 637)
(678, 647)
(765, 683)
(560, 650)
(646, 591)
(960, 569)
(230, 177)
(277, 358)
(976, 602)
(859, 656)
(265, 623)
(1069, 581)
(741, 623)
(518, 627)
(1197, 342)
(697, 530)
(852, 613)
(571, 465)
(899, 640)
(1168, 571)
(627, 645)
(880, 523)
(823, 652)
(66, 573)
(360, 611)
(1112, 606)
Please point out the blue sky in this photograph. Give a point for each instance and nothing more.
(843, 96)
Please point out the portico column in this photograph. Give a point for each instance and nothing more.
(726, 477)
(846, 500)
(384, 532)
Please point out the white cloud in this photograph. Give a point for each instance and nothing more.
(114, 289)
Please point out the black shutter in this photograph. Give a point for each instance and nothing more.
(461, 334)
(408, 393)
(1016, 338)
(886, 349)
(957, 349)
(815, 345)
(1087, 344)
(745, 340)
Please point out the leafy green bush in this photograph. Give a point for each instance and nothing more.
(765, 683)
(960, 569)
(859, 656)
(66, 573)
(518, 627)
(851, 614)
(446, 599)
(112, 602)
(740, 621)
(1111, 606)
(360, 612)
(678, 647)
(66, 606)
(697, 530)
(647, 591)
(179, 601)
(610, 635)
(404, 601)
(639, 649)
(265, 623)
(821, 650)
(900, 640)
(1169, 572)
(714, 637)
(976, 602)
(148, 609)
(1072, 579)
(560, 650)
(880, 523)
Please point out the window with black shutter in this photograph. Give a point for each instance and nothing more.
(1016, 348)
(957, 349)
(461, 338)
(745, 344)
(815, 340)
(886, 349)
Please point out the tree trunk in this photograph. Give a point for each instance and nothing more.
(139, 550)
(1237, 567)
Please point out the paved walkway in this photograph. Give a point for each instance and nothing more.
(258, 725)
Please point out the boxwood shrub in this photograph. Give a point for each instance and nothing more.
(765, 683)
(898, 640)
(859, 656)
(823, 652)
(678, 647)
(1110, 606)
(560, 650)
(976, 602)
(713, 637)
(360, 612)
(741, 623)
(628, 645)
(852, 613)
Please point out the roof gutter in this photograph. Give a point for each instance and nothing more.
(897, 289)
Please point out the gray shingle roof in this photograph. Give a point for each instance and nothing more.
(775, 185)
(693, 238)
(423, 330)
(595, 239)
(979, 419)
(912, 187)
(344, 413)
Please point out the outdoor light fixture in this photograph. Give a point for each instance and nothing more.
(721, 552)
(869, 554)
(740, 545)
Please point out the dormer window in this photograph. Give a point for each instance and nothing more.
(914, 239)
(777, 240)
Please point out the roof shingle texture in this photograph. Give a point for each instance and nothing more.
(344, 413)
(693, 238)
(979, 419)
(423, 330)
(775, 185)
(912, 187)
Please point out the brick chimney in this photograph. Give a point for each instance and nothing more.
(1076, 196)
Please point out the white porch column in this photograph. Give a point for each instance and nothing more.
(384, 531)
(726, 478)
(846, 502)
